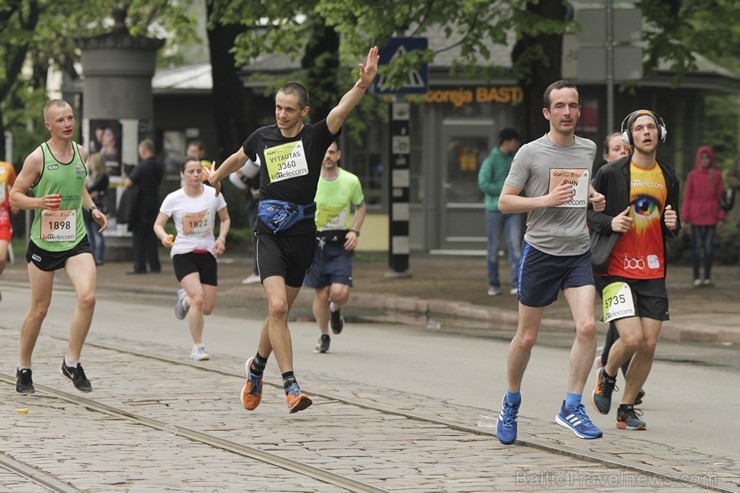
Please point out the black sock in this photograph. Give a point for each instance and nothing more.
(609, 377)
(258, 364)
(288, 380)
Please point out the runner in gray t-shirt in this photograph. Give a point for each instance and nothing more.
(554, 172)
(540, 165)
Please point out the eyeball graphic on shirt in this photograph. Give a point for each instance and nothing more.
(645, 210)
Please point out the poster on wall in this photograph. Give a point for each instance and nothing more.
(105, 138)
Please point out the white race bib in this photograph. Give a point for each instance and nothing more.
(617, 301)
(286, 161)
(197, 223)
(59, 225)
(330, 218)
(578, 178)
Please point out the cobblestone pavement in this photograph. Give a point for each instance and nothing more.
(94, 451)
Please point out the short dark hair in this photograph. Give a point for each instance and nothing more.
(294, 87)
(508, 134)
(561, 84)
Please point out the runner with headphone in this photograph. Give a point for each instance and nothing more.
(642, 196)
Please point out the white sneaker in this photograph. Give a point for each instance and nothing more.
(492, 291)
(199, 353)
(697, 283)
(180, 310)
(252, 279)
(513, 291)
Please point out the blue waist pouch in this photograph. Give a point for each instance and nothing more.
(279, 216)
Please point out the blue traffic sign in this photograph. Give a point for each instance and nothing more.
(418, 79)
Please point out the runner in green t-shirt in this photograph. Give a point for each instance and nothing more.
(55, 172)
(336, 238)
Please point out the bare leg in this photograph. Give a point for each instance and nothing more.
(521, 345)
(581, 302)
(195, 300)
(321, 309)
(81, 272)
(642, 362)
(630, 339)
(275, 333)
(41, 287)
(339, 294)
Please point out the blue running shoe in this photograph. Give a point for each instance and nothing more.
(506, 426)
(577, 421)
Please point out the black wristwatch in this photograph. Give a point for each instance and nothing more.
(356, 232)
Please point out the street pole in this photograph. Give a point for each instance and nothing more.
(609, 67)
(399, 192)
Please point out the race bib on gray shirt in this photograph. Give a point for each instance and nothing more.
(540, 166)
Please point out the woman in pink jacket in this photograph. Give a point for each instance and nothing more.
(701, 209)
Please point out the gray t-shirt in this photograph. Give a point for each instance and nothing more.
(540, 166)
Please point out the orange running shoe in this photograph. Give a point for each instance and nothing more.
(297, 400)
(252, 391)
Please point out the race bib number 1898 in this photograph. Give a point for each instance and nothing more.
(618, 302)
(59, 225)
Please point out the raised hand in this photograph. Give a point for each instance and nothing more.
(369, 70)
(209, 175)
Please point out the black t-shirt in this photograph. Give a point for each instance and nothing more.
(290, 167)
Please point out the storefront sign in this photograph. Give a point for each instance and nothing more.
(481, 94)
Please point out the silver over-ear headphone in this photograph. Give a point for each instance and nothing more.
(626, 127)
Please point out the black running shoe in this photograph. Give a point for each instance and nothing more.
(24, 384)
(601, 397)
(323, 345)
(337, 321)
(77, 375)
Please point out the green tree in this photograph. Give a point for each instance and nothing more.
(39, 34)
(676, 31)
(291, 29)
(679, 31)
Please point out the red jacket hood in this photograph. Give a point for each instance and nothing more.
(709, 152)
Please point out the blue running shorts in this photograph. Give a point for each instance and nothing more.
(542, 276)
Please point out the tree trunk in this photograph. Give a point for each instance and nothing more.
(229, 98)
(321, 61)
(536, 72)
